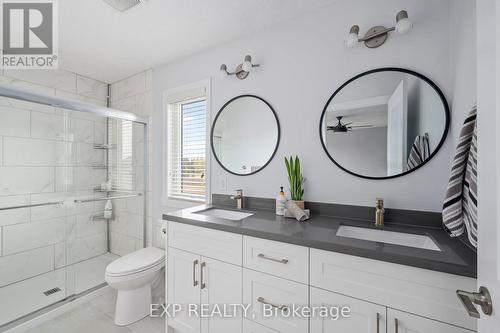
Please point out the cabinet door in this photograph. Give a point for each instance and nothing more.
(365, 317)
(221, 285)
(403, 322)
(184, 289)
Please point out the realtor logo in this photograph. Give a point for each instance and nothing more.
(29, 34)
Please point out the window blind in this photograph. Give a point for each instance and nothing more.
(121, 159)
(187, 149)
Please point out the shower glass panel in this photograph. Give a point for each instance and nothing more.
(127, 175)
(59, 168)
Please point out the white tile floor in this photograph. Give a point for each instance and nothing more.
(96, 316)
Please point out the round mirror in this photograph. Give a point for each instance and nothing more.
(384, 123)
(245, 135)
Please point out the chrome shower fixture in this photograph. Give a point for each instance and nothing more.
(123, 5)
(242, 70)
(376, 36)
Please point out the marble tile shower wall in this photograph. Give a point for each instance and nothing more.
(133, 94)
(46, 155)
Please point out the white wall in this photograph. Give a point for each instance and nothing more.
(422, 101)
(463, 62)
(362, 151)
(302, 62)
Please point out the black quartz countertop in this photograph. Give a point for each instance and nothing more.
(319, 232)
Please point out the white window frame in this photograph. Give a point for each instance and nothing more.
(166, 100)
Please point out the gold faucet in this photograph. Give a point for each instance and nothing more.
(239, 199)
(379, 213)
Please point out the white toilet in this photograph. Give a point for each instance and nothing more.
(132, 276)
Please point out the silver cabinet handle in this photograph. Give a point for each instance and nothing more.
(195, 282)
(203, 284)
(281, 261)
(277, 306)
(378, 322)
(396, 325)
(481, 298)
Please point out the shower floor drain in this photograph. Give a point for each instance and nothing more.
(51, 291)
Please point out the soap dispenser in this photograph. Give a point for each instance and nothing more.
(108, 210)
(280, 203)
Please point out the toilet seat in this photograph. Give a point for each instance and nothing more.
(136, 262)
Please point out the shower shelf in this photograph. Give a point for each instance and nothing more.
(103, 146)
(99, 166)
(98, 189)
(99, 217)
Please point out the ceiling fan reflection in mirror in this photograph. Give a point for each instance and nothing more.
(345, 127)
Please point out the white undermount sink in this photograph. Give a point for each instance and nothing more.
(391, 237)
(224, 214)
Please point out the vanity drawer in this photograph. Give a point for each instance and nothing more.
(403, 322)
(260, 289)
(424, 292)
(364, 317)
(252, 327)
(281, 259)
(221, 245)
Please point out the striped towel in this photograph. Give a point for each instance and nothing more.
(460, 205)
(420, 151)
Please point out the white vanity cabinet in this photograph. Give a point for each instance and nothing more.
(364, 317)
(195, 279)
(207, 266)
(414, 290)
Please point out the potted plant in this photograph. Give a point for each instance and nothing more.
(296, 180)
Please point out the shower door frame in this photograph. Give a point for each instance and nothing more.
(10, 91)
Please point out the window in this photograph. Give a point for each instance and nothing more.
(121, 162)
(186, 159)
(124, 163)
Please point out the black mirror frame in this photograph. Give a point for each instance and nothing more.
(386, 69)
(277, 140)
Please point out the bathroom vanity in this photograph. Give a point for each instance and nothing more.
(218, 255)
(399, 277)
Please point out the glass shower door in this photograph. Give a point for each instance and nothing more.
(59, 167)
(127, 168)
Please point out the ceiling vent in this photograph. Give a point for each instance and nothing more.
(123, 5)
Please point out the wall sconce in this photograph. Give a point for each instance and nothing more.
(242, 70)
(377, 35)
